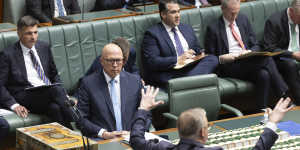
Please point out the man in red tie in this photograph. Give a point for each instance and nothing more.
(231, 36)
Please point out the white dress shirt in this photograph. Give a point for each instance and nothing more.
(296, 30)
(233, 45)
(108, 78)
(56, 13)
(184, 43)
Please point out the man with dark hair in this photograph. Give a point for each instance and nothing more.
(29, 63)
(45, 10)
(169, 43)
(192, 127)
(232, 36)
(108, 98)
(129, 58)
(282, 33)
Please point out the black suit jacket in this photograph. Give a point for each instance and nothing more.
(276, 33)
(108, 4)
(43, 10)
(96, 106)
(13, 75)
(216, 42)
(138, 142)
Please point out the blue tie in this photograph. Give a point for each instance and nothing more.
(179, 47)
(116, 104)
(60, 8)
(38, 68)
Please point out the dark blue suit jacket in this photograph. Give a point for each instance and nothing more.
(138, 142)
(216, 42)
(4, 129)
(96, 106)
(13, 75)
(130, 65)
(159, 53)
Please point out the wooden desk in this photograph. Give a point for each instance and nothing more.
(216, 125)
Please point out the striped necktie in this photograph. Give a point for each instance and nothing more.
(38, 68)
(60, 8)
(237, 37)
(179, 47)
(116, 104)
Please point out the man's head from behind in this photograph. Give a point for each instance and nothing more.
(230, 9)
(193, 124)
(27, 31)
(294, 11)
(169, 11)
(124, 45)
(112, 59)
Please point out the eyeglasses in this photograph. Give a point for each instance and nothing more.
(113, 61)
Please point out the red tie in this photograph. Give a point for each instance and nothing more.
(236, 37)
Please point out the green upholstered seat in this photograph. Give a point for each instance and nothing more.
(195, 91)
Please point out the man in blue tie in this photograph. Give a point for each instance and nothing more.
(45, 10)
(169, 43)
(108, 98)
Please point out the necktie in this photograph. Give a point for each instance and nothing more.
(294, 45)
(38, 68)
(237, 37)
(179, 47)
(116, 104)
(60, 8)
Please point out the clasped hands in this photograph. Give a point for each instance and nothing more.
(230, 57)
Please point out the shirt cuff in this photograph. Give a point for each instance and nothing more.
(14, 106)
(271, 126)
(100, 133)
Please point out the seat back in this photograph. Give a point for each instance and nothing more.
(195, 91)
(13, 10)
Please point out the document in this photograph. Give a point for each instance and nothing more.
(36, 88)
(250, 54)
(189, 62)
(148, 136)
(4, 112)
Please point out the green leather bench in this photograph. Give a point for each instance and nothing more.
(75, 46)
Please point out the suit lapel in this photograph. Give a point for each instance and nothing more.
(186, 37)
(123, 90)
(285, 24)
(20, 60)
(52, 6)
(223, 32)
(167, 38)
(105, 93)
(42, 56)
(242, 31)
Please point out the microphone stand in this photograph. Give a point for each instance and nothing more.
(144, 3)
(82, 13)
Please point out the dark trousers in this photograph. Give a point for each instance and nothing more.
(290, 72)
(4, 129)
(262, 71)
(48, 101)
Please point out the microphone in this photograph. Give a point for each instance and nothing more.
(82, 13)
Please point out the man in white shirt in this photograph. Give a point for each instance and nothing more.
(29, 63)
(282, 33)
(45, 10)
(231, 36)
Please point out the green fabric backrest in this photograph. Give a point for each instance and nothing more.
(13, 10)
(195, 91)
(88, 5)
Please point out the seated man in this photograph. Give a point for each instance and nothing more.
(4, 129)
(29, 63)
(169, 43)
(192, 127)
(282, 33)
(108, 98)
(129, 58)
(231, 36)
(114, 4)
(45, 10)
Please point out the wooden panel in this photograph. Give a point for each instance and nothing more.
(1, 10)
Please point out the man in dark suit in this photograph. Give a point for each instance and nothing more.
(129, 58)
(192, 127)
(4, 129)
(114, 4)
(108, 98)
(169, 43)
(282, 33)
(232, 36)
(29, 63)
(45, 10)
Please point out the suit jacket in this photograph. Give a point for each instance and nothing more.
(96, 106)
(43, 10)
(137, 139)
(13, 75)
(108, 4)
(216, 41)
(276, 33)
(159, 53)
(130, 65)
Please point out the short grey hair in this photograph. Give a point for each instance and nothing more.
(224, 3)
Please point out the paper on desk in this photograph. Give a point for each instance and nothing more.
(4, 112)
(291, 127)
(148, 136)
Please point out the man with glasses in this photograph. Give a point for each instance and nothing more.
(109, 98)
